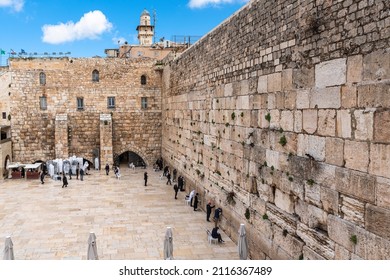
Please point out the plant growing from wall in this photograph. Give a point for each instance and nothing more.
(233, 116)
(242, 114)
(353, 239)
(310, 182)
(265, 217)
(283, 140)
(247, 214)
(268, 117)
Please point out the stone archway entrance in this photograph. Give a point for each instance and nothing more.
(128, 157)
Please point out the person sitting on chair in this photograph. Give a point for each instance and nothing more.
(216, 234)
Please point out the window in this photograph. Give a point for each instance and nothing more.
(42, 79)
(144, 102)
(111, 102)
(80, 103)
(143, 80)
(43, 102)
(95, 76)
(4, 115)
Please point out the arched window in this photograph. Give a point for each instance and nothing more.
(143, 80)
(95, 76)
(42, 79)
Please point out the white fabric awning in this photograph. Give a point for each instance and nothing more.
(32, 166)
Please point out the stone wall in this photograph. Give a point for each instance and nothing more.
(34, 129)
(5, 80)
(281, 115)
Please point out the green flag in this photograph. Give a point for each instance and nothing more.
(2, 51)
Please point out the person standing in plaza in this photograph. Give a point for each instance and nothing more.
(64, 181)
(82, 173)
(196, 200)
(209, 207)
(169, 182)
(146, 178)
(191, 198)
(174, 175)
(176, 189)
(42, 176)
(107, 169)
(77, 171)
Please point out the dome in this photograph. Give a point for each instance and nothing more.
(145, 13)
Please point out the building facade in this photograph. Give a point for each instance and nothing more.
(92, 108)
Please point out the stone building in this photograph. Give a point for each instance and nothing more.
(5, 129)
(145, 29)
(280, 115)
(105, 108)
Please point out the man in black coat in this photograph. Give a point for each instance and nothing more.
(208, 210)
(196, 200)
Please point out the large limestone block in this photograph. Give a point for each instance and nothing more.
(284, 201)
(376, 65)
(356, 155)
(281, 218)
(326, 98)
(344, 124)
(364, 124)
(331, 73)
(272, 158)
(334, 151)
(310, 121)
(323, 174)
(380, 160)
(374, 95)
(316, 241)
(275, 82)
(356, 184)
(262, 85)
(354, 69)
(287, 79)
(310, 254)
(352, 210)
(378, 220)
(228, 91)
(287, 120)
(382, 126)
(298, 117)
(383, 193)
(290, 99)
(330, 200)
(310, 145)
(303, 99)
(348, 97)
(290, 244)
(327, 122)
(303, 78)
(369, 246)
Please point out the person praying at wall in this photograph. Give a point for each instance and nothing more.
(209, 207)
(196, 201)
(107, 169)
(146, 178)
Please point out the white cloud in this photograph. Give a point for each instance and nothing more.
(17, 5)
(90, 26)
(204, 3)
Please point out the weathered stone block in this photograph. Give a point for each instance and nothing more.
(356, 184)
(326, 98)
(284, 201)
(352, 210)
(356, 155)
(374, 95)
(378, 220)
(228, 91)
(287, 120)
(334, 151)
(376, 65)
(287, 79)
(383, 193)
(309, 121)
(344, 124)
(382, 126)
(318, 242)
(331, 73)
(303, 77)
(275, 82)
(327, 122)
(380, 160)
(298, 121)
(303, 99)
(290, 100)
(330, 200)
(364, 124)
(348, 97)
(311, 145)
(262, 85)
(354, 69)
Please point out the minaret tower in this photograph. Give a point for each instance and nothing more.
(145, 30)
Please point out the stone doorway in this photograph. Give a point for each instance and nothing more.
(128, 157)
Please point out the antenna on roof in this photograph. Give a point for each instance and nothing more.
(154, 25)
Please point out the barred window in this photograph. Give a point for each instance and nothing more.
(80, 103)
(143, 80)
(144, 102)
(43, 103)
(42, 79)
(95, 76)
(111, 102)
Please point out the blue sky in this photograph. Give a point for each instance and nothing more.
(87, 27)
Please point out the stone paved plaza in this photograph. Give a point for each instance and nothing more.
(47, 222)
